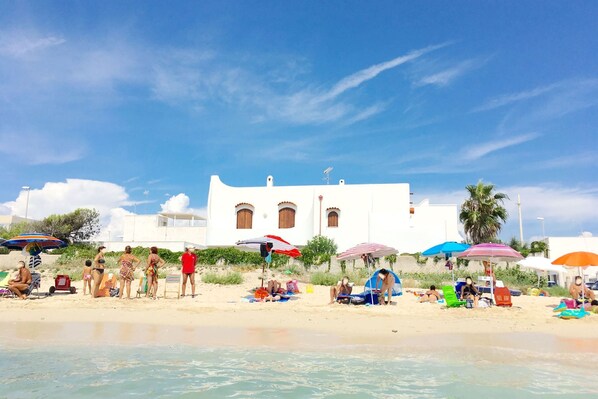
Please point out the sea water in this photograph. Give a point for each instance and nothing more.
(353, 372)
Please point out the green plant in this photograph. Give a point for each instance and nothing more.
(419, 259)
(317, 251)
(293, 270)
(229, 278)
(324, 278)
(539, 247)
(483, 213)
(558, 291)
(343, 265)
(391, 259)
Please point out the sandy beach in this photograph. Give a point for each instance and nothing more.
(218, 316)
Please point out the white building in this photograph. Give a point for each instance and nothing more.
(348, 213)
(172, 231)
(559, 246)
(8, 220)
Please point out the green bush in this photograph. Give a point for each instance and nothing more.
(323, 278)
(76, 251)
(230, 278)
(558, 291)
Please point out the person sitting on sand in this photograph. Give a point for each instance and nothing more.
(388, 283)
(470, 292)
(343, 288)
(19, 285)
(579, 290)
(274, 291)
(431, 295)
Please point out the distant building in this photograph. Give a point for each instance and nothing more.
(8, 220)
(558, 246)
(348, 213)
(172, 231)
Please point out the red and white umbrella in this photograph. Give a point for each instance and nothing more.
(492, 253)
(367, 248)
(279, 246)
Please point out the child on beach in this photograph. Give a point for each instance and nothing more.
(87, 276)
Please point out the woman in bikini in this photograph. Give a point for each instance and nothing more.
(154, 262)
(470, 292)
(98, 270)
(431, 295)
(128, 262)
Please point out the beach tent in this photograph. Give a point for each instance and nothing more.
(371, 283)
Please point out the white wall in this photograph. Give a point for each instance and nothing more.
(145, 228)
(558, 246)
(368, 212)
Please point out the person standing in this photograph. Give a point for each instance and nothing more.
(128, 262)
(154, 262)
(98, 270)
(189, 261)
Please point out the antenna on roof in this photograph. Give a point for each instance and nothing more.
(327, 174)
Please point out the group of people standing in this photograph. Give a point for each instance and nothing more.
(128, 263)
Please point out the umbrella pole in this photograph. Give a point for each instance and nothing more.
(491, 285)
(263, 271)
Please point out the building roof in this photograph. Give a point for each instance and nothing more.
(181, 216)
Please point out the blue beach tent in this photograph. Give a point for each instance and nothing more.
(371, 283)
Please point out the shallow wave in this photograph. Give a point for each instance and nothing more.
(194, 372)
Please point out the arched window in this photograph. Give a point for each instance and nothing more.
(333, 214)
(286, 215)
(244, 216)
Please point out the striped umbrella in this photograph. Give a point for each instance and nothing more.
(492, 253)
(279, 246)
(33, 242)
(372, 250)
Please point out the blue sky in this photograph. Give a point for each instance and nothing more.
(140, 102)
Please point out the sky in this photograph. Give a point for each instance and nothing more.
(130, 107)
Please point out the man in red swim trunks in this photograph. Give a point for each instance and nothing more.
(189, 260)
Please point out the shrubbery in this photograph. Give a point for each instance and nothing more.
(229, 278)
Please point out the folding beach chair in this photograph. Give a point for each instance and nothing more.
(450, 297)
(142, 286)
(36, 279)
(171, 280)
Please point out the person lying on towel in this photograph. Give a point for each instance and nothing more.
(431, 295)
(344, 288)
(579, 290)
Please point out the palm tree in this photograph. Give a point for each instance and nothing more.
(482, 214)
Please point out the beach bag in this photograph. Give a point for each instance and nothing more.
(371, 298)
(114, 291)
(292, 286)
(570, 303)
(469, 303)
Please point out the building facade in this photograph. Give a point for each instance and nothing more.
(348, 213)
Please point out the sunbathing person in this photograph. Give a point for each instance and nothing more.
(342, 289)
(579, 290)
(469, 291)
(19, 285)
(431, 295)
(274, 291)
(388, 283)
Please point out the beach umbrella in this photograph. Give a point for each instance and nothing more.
(492, 253)
(370, 249)
(33, 243)
(447, 248)
(540, 264)
(276, 244)
(581, 260)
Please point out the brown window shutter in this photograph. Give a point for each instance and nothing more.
(333, 219)
(244, 219)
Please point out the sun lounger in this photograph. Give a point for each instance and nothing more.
(450, 297)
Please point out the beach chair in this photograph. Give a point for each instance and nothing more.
(142, 286)
(169, 284)
(450, 297)
(36, 279)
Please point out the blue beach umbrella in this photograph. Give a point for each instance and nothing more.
(447, 249)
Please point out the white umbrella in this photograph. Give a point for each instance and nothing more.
(541, 264)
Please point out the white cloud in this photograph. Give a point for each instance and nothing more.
(113, 229)
(17, 44)
(446, 76)
(477, 151)
(40, 149)
(62, 197)
(180, 204)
